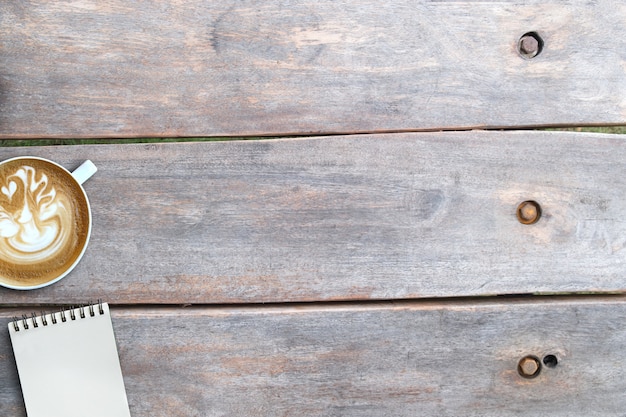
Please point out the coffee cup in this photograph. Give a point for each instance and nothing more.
(45, 221)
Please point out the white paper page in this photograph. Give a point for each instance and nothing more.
(71, 368)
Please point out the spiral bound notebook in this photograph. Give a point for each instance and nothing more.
(68, 364)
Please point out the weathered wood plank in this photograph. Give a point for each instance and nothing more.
(347, 218)
(121, 68)
(373, 360)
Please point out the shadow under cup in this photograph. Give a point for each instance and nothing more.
(45, 222)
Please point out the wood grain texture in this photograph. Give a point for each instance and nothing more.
(347, 218)
(119, 68)
(364, 360)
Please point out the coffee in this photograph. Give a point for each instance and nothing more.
(45, 222)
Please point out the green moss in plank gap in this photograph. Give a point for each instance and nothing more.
(53, 142)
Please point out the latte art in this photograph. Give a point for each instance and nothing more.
(45, 222)
(35, 220)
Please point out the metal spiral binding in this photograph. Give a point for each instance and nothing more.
(27, 321)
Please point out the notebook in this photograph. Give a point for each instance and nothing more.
(68, 364)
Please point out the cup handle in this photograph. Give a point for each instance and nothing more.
(84, 172)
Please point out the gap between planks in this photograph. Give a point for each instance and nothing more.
(69, 140)
(504, 300)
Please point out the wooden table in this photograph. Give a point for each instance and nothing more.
(370, 261)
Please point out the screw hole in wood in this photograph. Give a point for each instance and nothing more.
(550, 361)
(529, 212)
(530, 45)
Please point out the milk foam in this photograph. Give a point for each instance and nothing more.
(36, 223)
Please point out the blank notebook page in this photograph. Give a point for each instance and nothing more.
(69, 368)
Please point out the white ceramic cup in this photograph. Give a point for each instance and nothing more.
(45, 219)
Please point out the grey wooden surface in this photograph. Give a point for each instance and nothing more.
(389, 359)
(353, 241)
(120, 68)
(347, 218)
